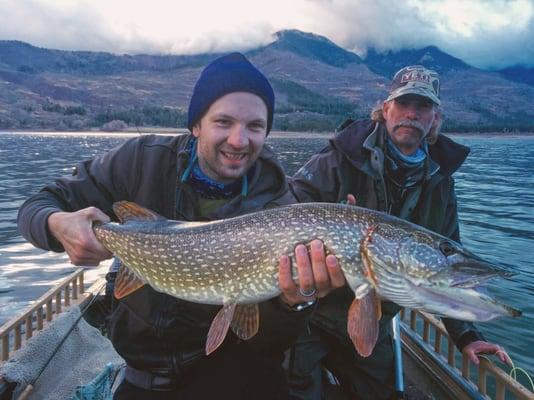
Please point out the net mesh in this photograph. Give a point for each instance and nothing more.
(83, 356)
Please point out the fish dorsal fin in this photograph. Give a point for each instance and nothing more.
(219, 327)
(362, 325)
(126, 282)
(246, 321)
(128, 211)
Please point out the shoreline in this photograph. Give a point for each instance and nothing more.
(274, 133)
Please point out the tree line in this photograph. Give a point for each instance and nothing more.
(300, 110)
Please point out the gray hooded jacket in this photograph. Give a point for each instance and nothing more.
(353, 163)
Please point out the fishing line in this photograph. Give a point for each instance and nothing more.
(514, 375)
(513, 371)
(29, 388)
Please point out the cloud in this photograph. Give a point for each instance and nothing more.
(492, 33)
(57, 25)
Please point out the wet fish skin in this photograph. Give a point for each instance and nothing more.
(236, 260)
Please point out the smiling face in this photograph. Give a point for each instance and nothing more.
(231, 135)
(409, 118)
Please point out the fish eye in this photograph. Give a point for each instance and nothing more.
(447, 248)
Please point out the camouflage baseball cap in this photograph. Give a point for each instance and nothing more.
(415, 79)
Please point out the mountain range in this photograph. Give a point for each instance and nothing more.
(317, 83)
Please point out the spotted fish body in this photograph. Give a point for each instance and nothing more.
(235, 261)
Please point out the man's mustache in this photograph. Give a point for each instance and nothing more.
(409, 124)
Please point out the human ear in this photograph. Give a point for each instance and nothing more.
(437, 120)
(385, 108)
(196, 130)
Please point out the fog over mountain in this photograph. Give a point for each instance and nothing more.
(484, 33)
(318, 84)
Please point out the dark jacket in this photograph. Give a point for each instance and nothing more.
(151, 330)
(353, 163)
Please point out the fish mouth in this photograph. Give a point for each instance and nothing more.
(467, 304)
(450, 293)
(455, 291)
(471, 272)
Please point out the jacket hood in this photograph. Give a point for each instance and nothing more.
(448, 154)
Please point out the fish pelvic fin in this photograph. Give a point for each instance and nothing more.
(362, 323)
(127, 211)
(246, 321)
(219, 327)
(126, 282)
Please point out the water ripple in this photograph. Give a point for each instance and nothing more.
(495, 189)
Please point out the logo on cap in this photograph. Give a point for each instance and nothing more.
(415, 76)
(417, 80)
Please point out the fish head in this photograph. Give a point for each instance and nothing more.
(417, 268)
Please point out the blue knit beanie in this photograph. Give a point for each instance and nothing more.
(229, 74)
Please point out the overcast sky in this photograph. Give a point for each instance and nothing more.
(484, 33)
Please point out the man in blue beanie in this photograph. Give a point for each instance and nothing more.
(221, 169)
(228, 74)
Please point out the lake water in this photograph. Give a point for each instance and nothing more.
(495, 188)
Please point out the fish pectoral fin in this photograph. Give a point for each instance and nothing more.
(219, 327)
(362, 325)
(126, 282)
(128, 211)
(246, 321)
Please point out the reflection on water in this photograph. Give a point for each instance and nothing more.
(495, 190)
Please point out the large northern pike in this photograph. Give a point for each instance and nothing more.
(234, 262)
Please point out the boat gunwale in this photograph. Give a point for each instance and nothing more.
(415, 342)
(65, 294)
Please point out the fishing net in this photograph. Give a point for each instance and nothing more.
(100, 388)
(86, 357)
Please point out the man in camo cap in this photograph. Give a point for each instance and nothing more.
(418, 80)
(407, 126)
(396, 162)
